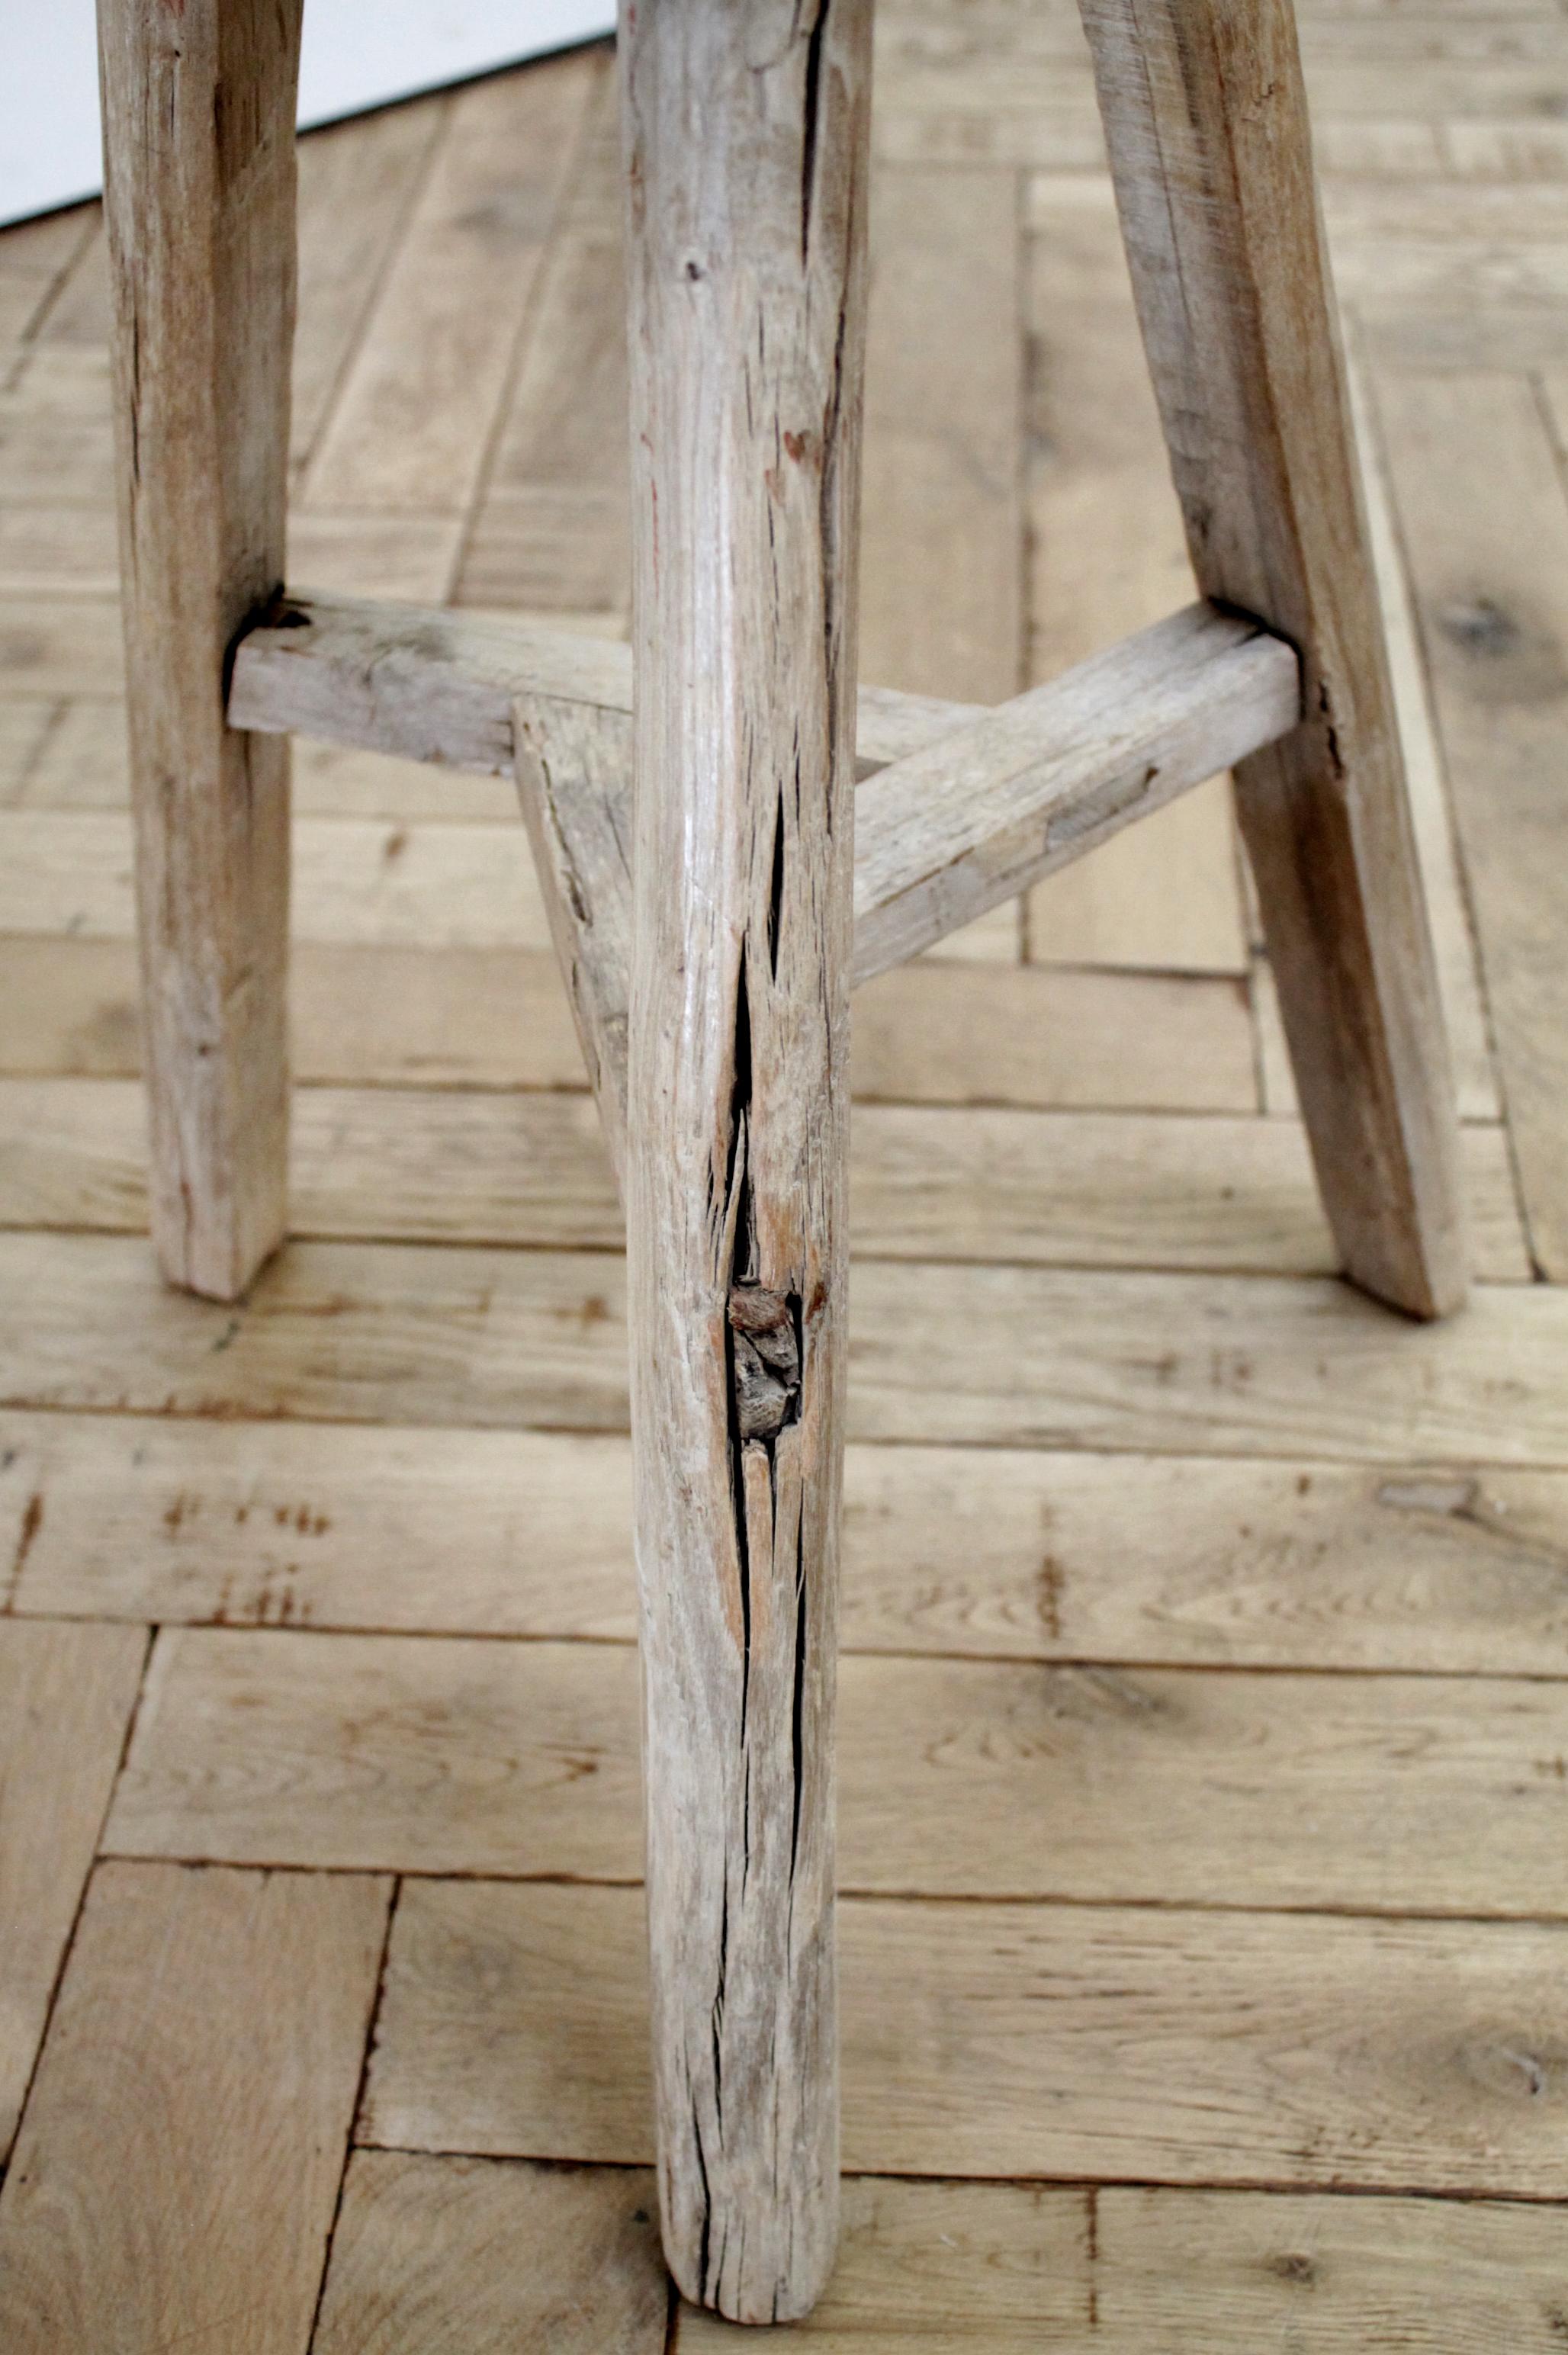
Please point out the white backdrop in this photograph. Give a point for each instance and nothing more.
(356, 54)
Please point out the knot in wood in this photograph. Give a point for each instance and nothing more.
(764, 1360)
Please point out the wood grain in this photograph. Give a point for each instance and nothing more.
(747, 163)
(451, 2255)
(441, 1166)
(1174, 1560)
(430, 684)
(1238, 1366)
(949, 831)
(942, 610)
(393, 1016)
(1245, 2270)
(1481, 506)
(199, 218)
(66, 1698)
(949, 2268)
(1453, 935)
(1205, 120)
(944, 834)
(958, 1779)
(1106, 555)
(177, 2170)
(1135, 2044)
(358, 881)
(408, 429)
(553, 525)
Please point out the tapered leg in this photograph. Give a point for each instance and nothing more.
(1206, 123)
(198, 119)
(746, 130)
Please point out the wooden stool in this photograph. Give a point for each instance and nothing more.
(710, 974)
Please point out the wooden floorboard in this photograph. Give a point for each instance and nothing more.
(450, 2254)
(990, 1553)
(1142, 2044)
(982, 1355)
(176, 2172)
(956, 1778)
(66, 1698)
(929, 1182)
(1205, 1630)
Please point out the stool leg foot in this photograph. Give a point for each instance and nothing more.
(1206, 123)
(199, 112)
(746, 139)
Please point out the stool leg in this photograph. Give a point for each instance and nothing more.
(198, 118)
(746, 142)
(1206, 123)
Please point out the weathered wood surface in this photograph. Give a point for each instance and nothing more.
(952, 2268)
(1465, 1006)
(1029, 1356)
(954, 827)
(747, 162)
(967, 1034)
(1185, 2046)
(199, 113)
(945, 833)
(429, 683)
(1481, 505)
(958, 1779)
(459, 2255)
(389, 1163)
(997, 1553)
(1206, 123)
(1008, 389)
(1106, 555)
(941, 542)
(66, 1696)
(176, 2172)
(410, 427)
(1245, 2270)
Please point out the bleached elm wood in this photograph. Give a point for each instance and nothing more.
(199, 112)
(574, 786)
(940, 838)
(746, 139)
(1206, 123)
(953, 828)
(427, 683)
(946, 833)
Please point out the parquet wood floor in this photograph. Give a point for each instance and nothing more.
(1205, 1697)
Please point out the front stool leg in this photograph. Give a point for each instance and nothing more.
(746, 149)
(199, 136)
